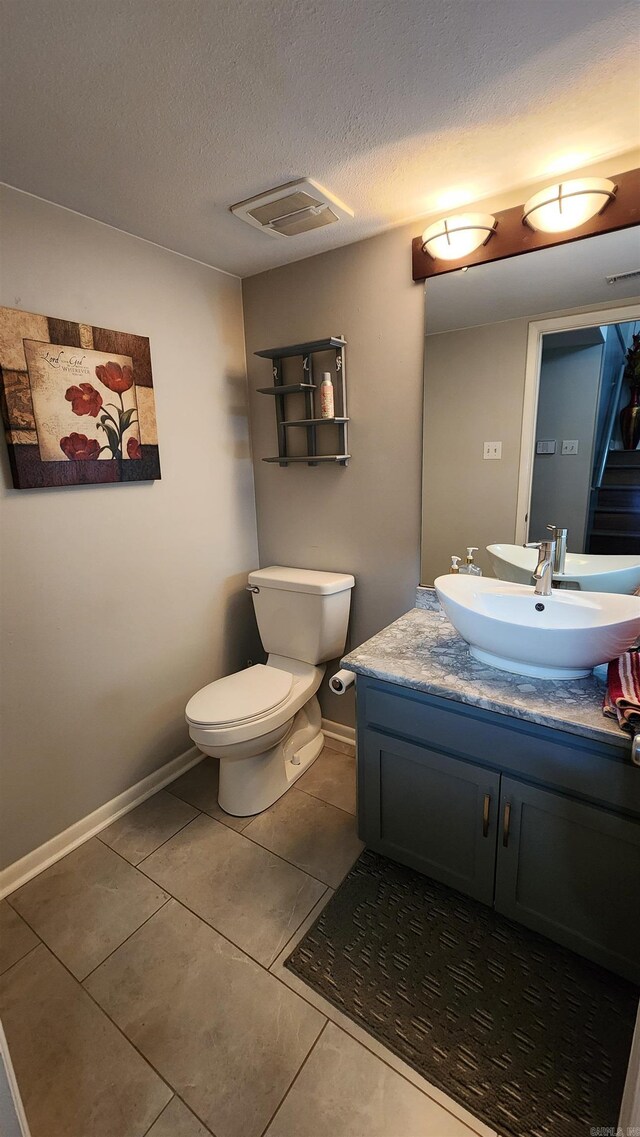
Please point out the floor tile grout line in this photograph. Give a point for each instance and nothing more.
(95, 1002)
(198, 812)
(291, 990)
(177, 900)
(385, 1061)
(345, 1030)
(223, 935)
(264, 967)
(15, 963)
(256, 843)
(295, 1078)
(148, 1061)
(130, 1041)
(259, 964)
(278, 979)
(82, 845)
(292, 863)
(144, 1057)
(164, 1108)
(294, 934)
(317, 797)
(125, 941)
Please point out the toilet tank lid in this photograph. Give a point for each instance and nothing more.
(301, 580)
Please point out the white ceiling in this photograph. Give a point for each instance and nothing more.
(156, 115)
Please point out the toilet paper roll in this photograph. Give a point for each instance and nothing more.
(340, 681)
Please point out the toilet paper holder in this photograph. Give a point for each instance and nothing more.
(341, 681)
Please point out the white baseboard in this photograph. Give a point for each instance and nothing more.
(340, 733)
(23, 870)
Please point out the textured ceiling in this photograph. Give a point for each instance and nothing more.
(156, 115)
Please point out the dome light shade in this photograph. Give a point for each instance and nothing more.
(455, 237)
(568, 205)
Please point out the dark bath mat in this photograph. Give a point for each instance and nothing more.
(528, 1036)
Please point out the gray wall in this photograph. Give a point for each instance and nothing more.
(119, 601)
(364, 519)
(567, 408)
(474, 388)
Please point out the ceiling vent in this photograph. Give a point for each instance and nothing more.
(291, 209)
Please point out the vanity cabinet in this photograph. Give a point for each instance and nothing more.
(542, 824)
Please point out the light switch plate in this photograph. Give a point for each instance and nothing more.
(492, 450)
(546, 446)
(569, 445)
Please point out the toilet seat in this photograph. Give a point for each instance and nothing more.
(239, 698)
(299, 681)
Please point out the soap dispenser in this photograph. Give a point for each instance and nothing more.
(455, 564)
(469, 566)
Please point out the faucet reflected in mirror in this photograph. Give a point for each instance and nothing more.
(532, 353)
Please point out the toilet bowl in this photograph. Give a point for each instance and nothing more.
(264, 723)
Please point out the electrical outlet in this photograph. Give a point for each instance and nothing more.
(492, 450)
(569, 445)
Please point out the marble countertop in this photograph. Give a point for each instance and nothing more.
(422, 650)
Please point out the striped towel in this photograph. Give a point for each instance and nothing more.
(622, 696)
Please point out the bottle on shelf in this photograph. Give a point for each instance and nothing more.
(469, 567)
(326, 396)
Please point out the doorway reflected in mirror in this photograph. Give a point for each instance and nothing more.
(584, 478)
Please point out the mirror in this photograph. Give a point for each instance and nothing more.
(498, 337)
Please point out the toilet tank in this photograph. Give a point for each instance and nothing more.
(302, 614)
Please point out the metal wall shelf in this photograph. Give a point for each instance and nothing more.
(341, 459)
(307, 387)
(314, 421)
(301, 348)
(287, 388)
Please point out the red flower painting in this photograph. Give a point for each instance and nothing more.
(115, 419)
(79, 448)
(115, 377)
(85, 400)
(118, 379)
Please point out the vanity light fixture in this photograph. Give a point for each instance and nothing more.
(568, 205)
(454, 237)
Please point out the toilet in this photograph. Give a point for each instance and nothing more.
(264, 723)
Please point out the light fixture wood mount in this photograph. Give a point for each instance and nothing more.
(512, 237)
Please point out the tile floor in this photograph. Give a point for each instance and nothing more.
(143, 989)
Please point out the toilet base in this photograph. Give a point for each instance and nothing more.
(250, 785)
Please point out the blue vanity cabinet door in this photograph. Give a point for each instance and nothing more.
(571, 871)
(435, 813)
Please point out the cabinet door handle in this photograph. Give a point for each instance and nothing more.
(506, 823)
(485, 815)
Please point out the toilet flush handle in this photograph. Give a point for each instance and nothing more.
(251, 588)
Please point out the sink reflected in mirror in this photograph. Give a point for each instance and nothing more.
(589, 573)
(562, 636)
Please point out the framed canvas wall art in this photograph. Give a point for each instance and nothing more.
(77, 402)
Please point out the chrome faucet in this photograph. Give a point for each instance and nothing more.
(543, 574)
(560, 538)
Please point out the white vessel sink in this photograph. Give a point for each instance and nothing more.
(562, 636)
(591, 572)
